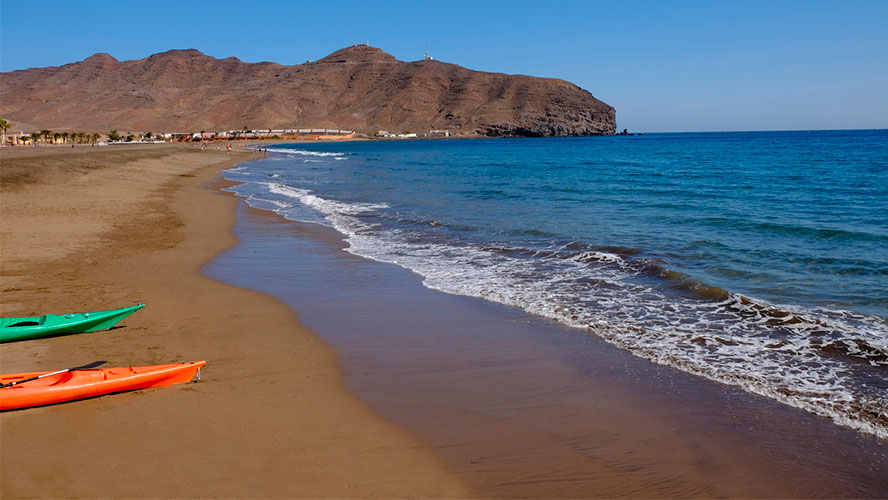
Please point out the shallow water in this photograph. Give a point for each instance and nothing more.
(524, 407)
(755, 259)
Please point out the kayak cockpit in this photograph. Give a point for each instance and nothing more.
(18, 322)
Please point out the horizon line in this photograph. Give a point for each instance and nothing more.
(761, 130)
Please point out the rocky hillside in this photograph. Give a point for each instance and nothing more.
(360, 88)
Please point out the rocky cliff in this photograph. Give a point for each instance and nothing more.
(359, 87)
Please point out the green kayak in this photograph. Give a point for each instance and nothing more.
(50, 325)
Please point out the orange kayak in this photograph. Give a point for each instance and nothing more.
(80, 384)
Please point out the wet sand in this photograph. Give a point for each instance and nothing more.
(87, 229)
(458, 397)
(523, 407)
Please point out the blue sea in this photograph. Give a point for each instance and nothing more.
(756, 259)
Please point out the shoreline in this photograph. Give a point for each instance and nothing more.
(524, 407)
(271, 417)
(486, 402)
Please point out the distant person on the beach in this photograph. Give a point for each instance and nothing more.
(228, 150)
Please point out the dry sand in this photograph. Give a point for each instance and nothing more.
(97, 228)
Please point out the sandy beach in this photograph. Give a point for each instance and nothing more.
(395, 391)
(88, 229)
(370, 253)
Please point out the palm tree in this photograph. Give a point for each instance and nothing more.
(46, 135)
(95, 138)
(4, 126)
(56, 136)
(65, 137)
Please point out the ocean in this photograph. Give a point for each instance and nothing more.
(754, 259)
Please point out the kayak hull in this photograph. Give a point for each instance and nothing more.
(51, 325)
(81, 384)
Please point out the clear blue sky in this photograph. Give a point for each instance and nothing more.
(664, 65)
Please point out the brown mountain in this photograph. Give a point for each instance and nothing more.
(359, 87)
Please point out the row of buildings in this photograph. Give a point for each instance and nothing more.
(25, 138)
(293, 133)
(410, 135)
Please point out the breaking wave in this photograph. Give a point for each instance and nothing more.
(833, 363)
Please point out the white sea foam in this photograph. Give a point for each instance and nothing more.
(329, 207)
(597, 256)
(254, 200)
(302, 152)
(738, 341)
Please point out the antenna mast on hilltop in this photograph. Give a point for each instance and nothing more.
(427, 56)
